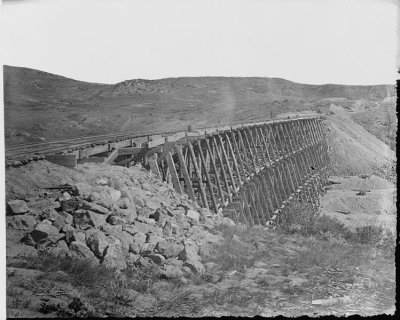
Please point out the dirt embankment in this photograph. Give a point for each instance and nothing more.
(353, 150)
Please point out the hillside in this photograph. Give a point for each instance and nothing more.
(43, 106)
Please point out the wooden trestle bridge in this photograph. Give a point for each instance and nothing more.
(250, 172)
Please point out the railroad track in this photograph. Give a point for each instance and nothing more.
(15, 151)
(28, 150)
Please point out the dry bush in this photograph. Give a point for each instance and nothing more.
(235, 251)
(83, 272)
(95, 281)
(301, 220)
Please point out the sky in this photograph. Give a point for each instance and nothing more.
(308, 41)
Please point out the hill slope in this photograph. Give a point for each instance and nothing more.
(43, 106)
(354, 150)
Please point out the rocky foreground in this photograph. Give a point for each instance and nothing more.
(102, 240)
(119, 218)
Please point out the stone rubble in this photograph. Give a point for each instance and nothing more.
(124, 217)
(18, 206)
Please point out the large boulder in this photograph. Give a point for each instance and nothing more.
(144, 227)
(115, 195)
(189, 252)
(67, 227)
(167, 229)
(89, 232)
(228, 222)
(82, 189)
(193, 215)
(85, 219)
(116, 220)
(143, 214)
(69, 205)
(171, 272)
(93, 197)
(21, 222)
(153, 204)
(125, 238)
(146, 187)
(67, 217)
(131, 229)
(75, 235)
(50, 240)
(65, 196)
(156, 258)
(102, 182)
(190, 257)
(169, 249)
(138, 243)
(152, 241)
(139, 237)
(195, 266)
(137, 197)
(18, 206)
(116, 182)
(58, 249)
(124, 203)
(114, 256)
(110, 229)
(160, 216)
(95, 208)
(42, 230)
(79, 249)
(129, 214)
(49, 213)
(98, 242)
(175, 230)
(58, 221)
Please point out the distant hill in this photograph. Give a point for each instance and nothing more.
(44, 106)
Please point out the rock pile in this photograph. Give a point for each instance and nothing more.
(121, 217)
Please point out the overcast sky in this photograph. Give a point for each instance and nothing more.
(307, 41)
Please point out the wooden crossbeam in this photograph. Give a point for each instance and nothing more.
(196, 169)
(183, 169)
(112, 156)
(223, 173)
(173, 173)
(154, 167)
(131, 151)
(226, 160)
(210, 188)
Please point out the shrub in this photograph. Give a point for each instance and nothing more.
(83, 272)
(301, 220)
(234, 252)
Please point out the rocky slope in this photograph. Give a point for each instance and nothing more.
(111, 215)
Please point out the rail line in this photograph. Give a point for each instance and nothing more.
(15, 152)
